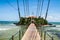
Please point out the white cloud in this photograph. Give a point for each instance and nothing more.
(53, 18)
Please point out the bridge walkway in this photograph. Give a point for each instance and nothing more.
(31, 33)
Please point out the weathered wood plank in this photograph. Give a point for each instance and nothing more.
(31, 33)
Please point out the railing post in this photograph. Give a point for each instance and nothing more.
(19, 35)
(41, 32)
(12, 37)
(52, 38)
(44, 35)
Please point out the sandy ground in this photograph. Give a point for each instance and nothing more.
(31, 33)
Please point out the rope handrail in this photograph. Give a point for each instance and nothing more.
(52, 38)
(11, 38)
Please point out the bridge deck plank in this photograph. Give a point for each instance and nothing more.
(31, 33)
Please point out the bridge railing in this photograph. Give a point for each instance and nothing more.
(49, 33)
(16, 36)
(50, 36)
(14, 33)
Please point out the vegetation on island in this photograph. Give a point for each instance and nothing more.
(27, 21)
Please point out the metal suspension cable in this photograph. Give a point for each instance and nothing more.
(41, 7)
(24, 7)
(27, 7)
(11, 5)
(38, 7)
(47, 9)
(18, 9)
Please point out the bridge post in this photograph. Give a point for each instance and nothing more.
(44, 35)
(12, 37)
(52, 38)
(19, 35)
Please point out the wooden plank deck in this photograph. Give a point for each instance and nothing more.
(31, 33)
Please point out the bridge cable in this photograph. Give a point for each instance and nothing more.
(27, 6)
(11, 5)
(38, 7)
(24, 7)
(47, 9)
(14, 7)
(18, 9)
(41, 7)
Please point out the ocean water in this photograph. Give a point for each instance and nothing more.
(7, 28)
(56, 23)
(7, 22)
(54, 31)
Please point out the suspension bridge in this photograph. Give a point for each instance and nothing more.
(32, 32)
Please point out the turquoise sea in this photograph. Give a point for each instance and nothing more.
(56, 23)
(7, 29)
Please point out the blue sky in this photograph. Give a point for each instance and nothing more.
(8, 13)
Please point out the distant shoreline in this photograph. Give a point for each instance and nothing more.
(12, 22)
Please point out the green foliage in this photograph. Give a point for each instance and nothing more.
(38, 21)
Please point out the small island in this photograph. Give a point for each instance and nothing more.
(28, 20)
